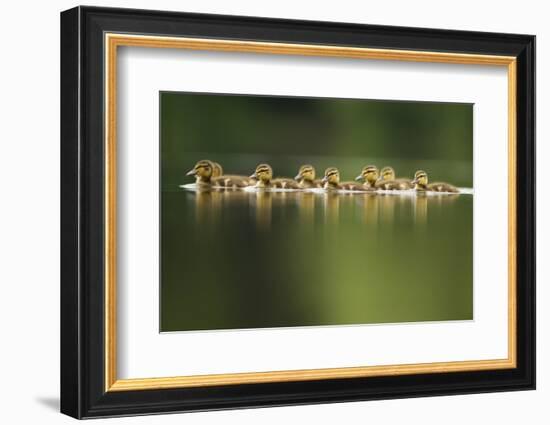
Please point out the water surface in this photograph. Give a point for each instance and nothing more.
(239, 260)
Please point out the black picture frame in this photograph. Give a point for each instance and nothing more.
(83, 392)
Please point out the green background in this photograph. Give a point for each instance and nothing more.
(241, 131)
(250, 260)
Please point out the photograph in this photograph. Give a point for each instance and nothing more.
(267, 210)
(280, 211)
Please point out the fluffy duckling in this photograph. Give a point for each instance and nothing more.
(209, 174)
(202, 171)
(264, 177)
(421, 184)
(306, 177)
(331, 181)
(369, 176)
(387, 181)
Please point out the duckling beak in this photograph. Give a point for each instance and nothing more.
(253, 176)
(297, 177)
(359, 178)
(191, 172)
(415, 181)
(324, 179)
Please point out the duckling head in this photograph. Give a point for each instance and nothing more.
(217, 169)
(387, 173)
(305, 173)
(263, 174)
(420, 178)
(369, 174)
(332, 176)
(203, 171)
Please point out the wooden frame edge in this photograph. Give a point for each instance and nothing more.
(512, 212)
(110, 213)
(306, 375)
(113, 40)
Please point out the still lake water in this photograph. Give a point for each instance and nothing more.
(235, 260)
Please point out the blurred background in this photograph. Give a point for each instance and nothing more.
(242, 131)
(232, 260)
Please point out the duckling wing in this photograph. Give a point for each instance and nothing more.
(282, 183)
(355, 186)
(404, 184)
(391, 185)
(315, 184)
(380, 184)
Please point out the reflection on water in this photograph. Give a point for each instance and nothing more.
(236, 259)
(262, 203)
(374, 208)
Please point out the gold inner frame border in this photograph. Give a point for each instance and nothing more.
(112, 41)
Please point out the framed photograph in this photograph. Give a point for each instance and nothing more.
(261, 212)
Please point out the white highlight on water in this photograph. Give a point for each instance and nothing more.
(253, 189)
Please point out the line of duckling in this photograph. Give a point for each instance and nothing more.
(209, 174)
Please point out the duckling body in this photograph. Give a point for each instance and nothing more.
(221, 180)
(316, 184)
(387, 181)
(284, 183)
(421, 184)
(263, 175)
(331, 181)
(399, 184)
(442, 187)
(306, 178)
(229, 182)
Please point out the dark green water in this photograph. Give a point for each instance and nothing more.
(233, 260)
(253, 260)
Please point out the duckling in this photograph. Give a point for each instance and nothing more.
(369, 175)
(421, 184)
(331, 181)
(209, 174)
(264, 176)
(387, 181)
(306, 177)
(202, 171)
